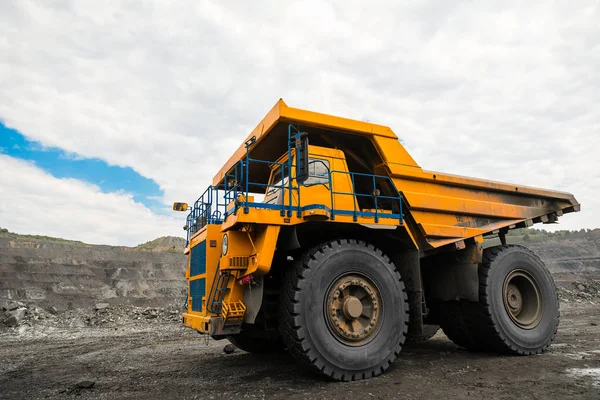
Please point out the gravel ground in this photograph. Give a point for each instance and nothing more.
(161, 359)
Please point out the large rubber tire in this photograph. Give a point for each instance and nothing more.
(429, 331)
(487, 325)
(304, 326)
(257, 345)
(458, 320)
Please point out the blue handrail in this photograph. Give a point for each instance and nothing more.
(220, 201)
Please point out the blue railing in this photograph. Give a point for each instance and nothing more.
(218, 202)
(208, 209)
(395, 200)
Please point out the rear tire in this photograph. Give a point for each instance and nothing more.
(459, 320)
(518, 309)
(344, 311)
(429, 331)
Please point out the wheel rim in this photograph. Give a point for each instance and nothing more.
(353, 309)
(522, 299)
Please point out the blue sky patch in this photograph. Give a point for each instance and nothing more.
(62, 164)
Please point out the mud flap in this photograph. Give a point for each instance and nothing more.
(253, 295)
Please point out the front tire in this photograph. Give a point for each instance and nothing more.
(344, 311)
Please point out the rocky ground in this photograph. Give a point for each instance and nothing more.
(114, 352)
(104, 322)
(19, 314)
(156, 358)
(580, 291)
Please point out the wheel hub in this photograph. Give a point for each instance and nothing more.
(353, 309)
(522, 299)
(514, 298)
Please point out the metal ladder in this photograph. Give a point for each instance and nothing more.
(232, 312)
(218, 290)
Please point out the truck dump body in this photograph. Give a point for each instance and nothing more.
(439, 209)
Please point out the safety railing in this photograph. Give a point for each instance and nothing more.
(213, 207)
(392, 210)
(208, 209)
(218, 202)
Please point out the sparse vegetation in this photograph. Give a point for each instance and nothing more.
(531, 235)
(164, 244)
(5, 233)
(532, 232)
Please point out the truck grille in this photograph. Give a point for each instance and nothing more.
(198, 259)
(197, 267)
(237, 261)
(197, 291)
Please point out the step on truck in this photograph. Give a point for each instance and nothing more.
(323, 237)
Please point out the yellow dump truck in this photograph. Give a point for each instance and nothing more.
(322, 236)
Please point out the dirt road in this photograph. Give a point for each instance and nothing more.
(163, 360)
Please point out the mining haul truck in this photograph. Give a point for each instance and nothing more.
(323, 237)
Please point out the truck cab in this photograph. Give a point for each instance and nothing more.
(327, 185)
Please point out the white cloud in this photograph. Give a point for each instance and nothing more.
(34, 202)
(488, 89)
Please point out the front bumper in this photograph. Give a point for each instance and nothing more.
(213, 326)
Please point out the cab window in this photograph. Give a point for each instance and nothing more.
(276, 182)
(318, 172)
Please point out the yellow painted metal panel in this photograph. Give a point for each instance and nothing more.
(402, 172)
(265, 241)
(457, 205)
(392, 151)
(450, 231)
(332, 122)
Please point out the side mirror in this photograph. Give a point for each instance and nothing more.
(180, 206)
(302, 158)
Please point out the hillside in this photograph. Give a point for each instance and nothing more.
(164, 244)
(70, 274)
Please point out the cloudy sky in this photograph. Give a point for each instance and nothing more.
(112, 110)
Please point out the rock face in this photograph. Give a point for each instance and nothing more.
(71, 275)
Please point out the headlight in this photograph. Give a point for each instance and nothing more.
(225, 244)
